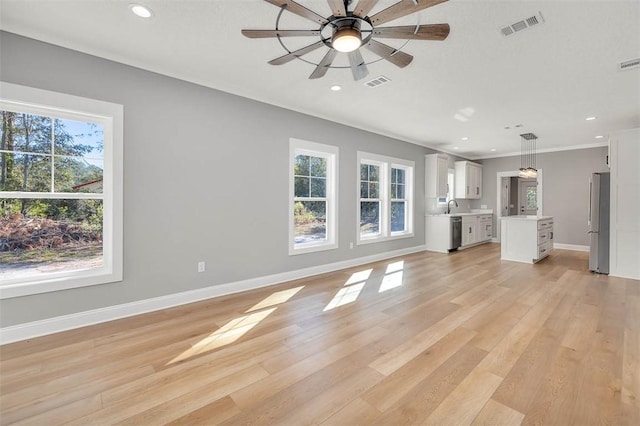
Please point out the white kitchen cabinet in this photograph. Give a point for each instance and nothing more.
(468, 180)
(436, 169)
(438, 233)
(525, 238)
(485, 227)
(469, 230)
(477, 228)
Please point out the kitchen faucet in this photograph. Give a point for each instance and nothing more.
(449, 205)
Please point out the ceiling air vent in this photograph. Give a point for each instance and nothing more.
(522, 24)
(379, 81)
(629, 65)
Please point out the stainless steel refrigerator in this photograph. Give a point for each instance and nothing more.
(599, 222)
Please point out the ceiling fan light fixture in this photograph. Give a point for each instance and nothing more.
(346, 40)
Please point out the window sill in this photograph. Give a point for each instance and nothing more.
(62, 282)
(387, 238)
(311, 249)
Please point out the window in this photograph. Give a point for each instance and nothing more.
(451, 176)
(370, 199)
(312, 197)
(60, 191)
(385, 199)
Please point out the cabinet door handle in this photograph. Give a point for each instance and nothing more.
(477, 190)
(551, 237)
(467, 189)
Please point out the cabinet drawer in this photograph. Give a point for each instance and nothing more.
(545, 224)
(543, 250)
(543, 236)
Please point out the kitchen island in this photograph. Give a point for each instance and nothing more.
(527, 239)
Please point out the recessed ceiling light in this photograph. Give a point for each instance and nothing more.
(599, 137)
(140, 10)
(456, 147)
(336, 88)
(590, 118)
(464, 139)
(493, 150)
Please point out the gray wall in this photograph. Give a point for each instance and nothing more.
(205, 178)
(565, 180)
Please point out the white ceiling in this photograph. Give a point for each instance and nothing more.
(548, 78)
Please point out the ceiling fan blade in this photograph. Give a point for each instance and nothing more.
(299, 10)
(358, 67)
(392, 55)
(291, 56)
(363, 7)
(324, 64)
(400, 9)
(337, 7)
(423, 32)
(279, 33)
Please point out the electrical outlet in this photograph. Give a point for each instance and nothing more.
(201, 266)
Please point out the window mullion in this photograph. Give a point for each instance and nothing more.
(53, 138)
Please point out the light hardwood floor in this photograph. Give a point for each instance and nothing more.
(421, 339)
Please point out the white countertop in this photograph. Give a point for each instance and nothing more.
(526, 217)
(473, 212)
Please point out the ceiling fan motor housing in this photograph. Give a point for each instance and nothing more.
(343, 29)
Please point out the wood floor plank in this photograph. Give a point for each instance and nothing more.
(424, 398)
(211, 414)
(393, 388)
(507, 352)
(63, 414)
(401, 355)
(357, 412)
(171, 401)
(460, 338)
(631, 368)
(467, 400)
(274, 383)
(197, 398)
(496, 414)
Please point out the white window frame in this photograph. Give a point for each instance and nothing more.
(110, 116)
(330, 152)
(386, 164)
(451, 182)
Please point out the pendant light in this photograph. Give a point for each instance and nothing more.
(528, 156)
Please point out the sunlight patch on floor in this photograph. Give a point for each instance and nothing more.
(226, 335)
(351, 290)
(238, 327)
(393, 276)
(357, 277)
(344, 296)
(276, 298)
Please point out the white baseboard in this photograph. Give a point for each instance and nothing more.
(34, 329)
(573, 247)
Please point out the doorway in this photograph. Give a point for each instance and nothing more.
(528, 196)
(508, 198)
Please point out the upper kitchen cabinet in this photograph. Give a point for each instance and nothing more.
(436, 168)
(468, 180)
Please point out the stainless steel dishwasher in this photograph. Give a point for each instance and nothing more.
(456, 233)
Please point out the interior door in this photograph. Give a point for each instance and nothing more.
(504, 195)
(528, 196)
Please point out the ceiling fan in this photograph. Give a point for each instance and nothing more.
(348, 30)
